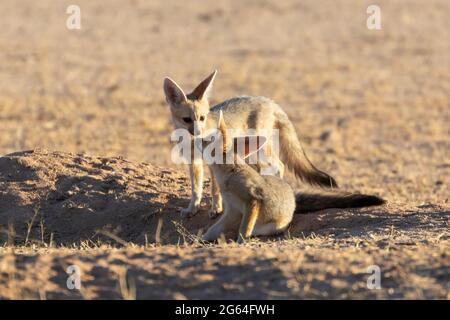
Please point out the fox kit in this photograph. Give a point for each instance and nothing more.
(254, 204)
(257, 205)
(193, 113)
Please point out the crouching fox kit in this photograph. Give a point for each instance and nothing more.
(254, 205)
(193, 113)
(257, 205)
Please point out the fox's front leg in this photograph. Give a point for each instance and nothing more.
(196, 173)
(216, 196)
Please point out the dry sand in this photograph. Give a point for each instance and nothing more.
(371, 108)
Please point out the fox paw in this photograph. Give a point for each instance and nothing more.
(188, 212)
(214, 212)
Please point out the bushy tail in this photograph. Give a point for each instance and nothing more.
(293, 155)
(309, 202)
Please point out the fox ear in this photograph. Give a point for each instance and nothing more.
(221, 122)
(245, 146)
(223, 130)
(203, 90)
(174, 94)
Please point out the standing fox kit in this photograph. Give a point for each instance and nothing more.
(254, 205)
(193, 113)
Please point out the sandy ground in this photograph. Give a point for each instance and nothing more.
(371, 108)
(62, 209)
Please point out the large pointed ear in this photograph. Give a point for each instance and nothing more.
(245, 146)
(174, 94)
(223, 130)
(203, 90)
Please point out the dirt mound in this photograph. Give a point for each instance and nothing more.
(70, 198)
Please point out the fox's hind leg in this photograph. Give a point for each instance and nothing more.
(248, 221)
(274, 168)
(273, 165)
(280, 166)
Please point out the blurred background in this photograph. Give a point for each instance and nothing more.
(372, 107)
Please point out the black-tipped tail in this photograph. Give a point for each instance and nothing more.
(309, 202)
(295, 158)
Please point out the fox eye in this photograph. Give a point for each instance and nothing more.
(187, 120)
(202, 118)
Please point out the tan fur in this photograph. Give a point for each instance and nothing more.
(254, 204)
(240, 113)
(249, 220)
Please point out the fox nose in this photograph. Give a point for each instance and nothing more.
(198, 143)
(197, 130)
